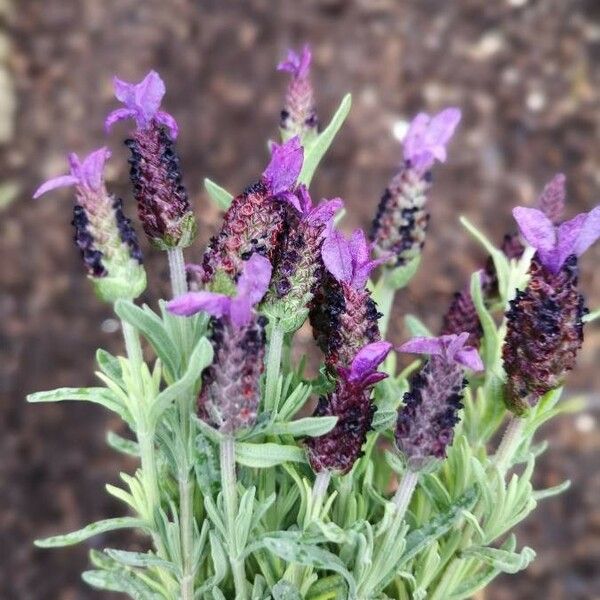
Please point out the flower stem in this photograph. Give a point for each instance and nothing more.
(186, 519)
(319, 490)
(385, 299)
(177, 272)
(404, 493)
(230, 505)
(510, 443)
(148, 460)
(273, 366)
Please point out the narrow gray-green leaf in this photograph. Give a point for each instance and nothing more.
(219, 195)
(416, 327)
(308, 426)
(267, 455)
(508, 562)
(139, 559)
(122, 445)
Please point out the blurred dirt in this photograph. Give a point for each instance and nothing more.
(526, 74)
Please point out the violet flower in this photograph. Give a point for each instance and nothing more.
(400, 225)
(343, 314)
(552, 199)
(555, 243)
(299, 115)
(425, 426)
(163, 205)
(256, 221)
(300, 267)
(350, 402)
(230, 393)
(545, 321)
(104, 236)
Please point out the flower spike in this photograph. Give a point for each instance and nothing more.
(104, 236)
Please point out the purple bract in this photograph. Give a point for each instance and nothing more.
(298, 64)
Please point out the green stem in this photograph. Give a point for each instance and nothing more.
(273, 366)
(177, 272)
(404, 493)
(230, 505)
(149, 470)
(186, 517)
(319, 490)
(511, 440)
(385, 298)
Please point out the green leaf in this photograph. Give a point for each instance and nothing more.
(96, 395)
(151, 326)
(315, 152)
(292, 550)
(122, 445)
(140, 559)
(551, 491)
(120, 581)
(69, 539)
(490, 333)
(201, 357)
(284, 590)
(399, 277)
(220, 196)
(308, 426)
(503, 560)
(109, 365)
(416, 327)
(267, 455)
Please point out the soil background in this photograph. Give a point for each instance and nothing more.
(526, 74)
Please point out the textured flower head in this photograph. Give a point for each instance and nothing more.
(86, 173)
(283, 170)
(298, 64)
(451, 347)
(552, 199)
(554, 244)
(349, 260)
(251, 287)
(142, 102)
(363, 369)
(427, 138)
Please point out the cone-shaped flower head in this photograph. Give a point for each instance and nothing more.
(299, 115)
(162, 200)
(425, 426)
(400, 225)
(552, 199)
(103, 234)
(255, 223)
(350, 402)
(544, 321)
(300, 266)
(230, 397)
(343, 314)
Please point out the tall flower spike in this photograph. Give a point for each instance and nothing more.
(343, 314)
(230, 392)
(162, 200)
(104, 236)
(425, 426)
(544, 321)
(350, 402)
(400, 225)
(300, 267)
(299, 115)
(255, 223)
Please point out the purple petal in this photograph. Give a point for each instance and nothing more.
(552, 199)
(590, 231)
(324, 212)
(359, 247)
(120, 114)
(423, 345)
(193, 302)
(55, 182)
(240, 311)
(291, 199)
(337, 256)
(169, 122)
(149, 94)
(535, 227)
(567, 235)
(442, 128)
(297, 65)
(469, 357)
(415, 136)
(368, 358)
(92, 168)
(305, 201)
(362, 272)
(254, 280)
(283, 170)
(124, 91)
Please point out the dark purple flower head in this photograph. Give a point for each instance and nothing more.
(283, 170)
(142, 102)
(554, 244)
(451, 347)
(427, 138)
(251, 287)
(298, 64)
(349, 260)
(552, 199)
(86, 174)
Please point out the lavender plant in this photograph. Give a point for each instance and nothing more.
(394, 487)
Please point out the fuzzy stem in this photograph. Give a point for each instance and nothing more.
(510, 443)
(273, 366)
(177, 271)
(230, 505)
(404, 493)
(319, 490)
(186, 519)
